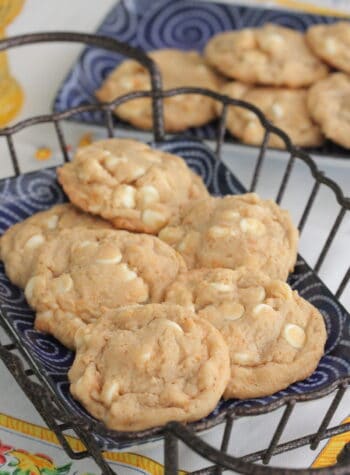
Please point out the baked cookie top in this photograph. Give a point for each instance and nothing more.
(331, 43)
(329, 106)
(127, 182)
(275, 337)
(144, 366)
(234, 231)
(285, 108)
(178, 69)
(21, 243)
(271, 55)
(82, 273)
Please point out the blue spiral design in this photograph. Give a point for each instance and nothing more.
(181, 24)
(39, 190)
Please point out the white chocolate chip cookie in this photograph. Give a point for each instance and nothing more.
(331, 43)
(285, 108)
(20, 244)
(82, 273)
(130, 184)
(234, 231)
(178, 69)
(271, 55)
(144, 366)
(275, 337)
(329, 106)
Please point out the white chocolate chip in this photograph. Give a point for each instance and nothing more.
(46, 315)
(86, 243)
(248, 115)
(253, 226)
(170, 323)
(63, 283)
(113, 259)
(52, 221)
(30, 287)
(294, 335)
(153, 219)
(125, 196)
(108, 391)
(35, 241)
(231, 311)
(281, 289)
(262, 308)
(274, 40)
(331, 45)
(242, 358)
(218, 232)
(145, 356)
(127, 273)
(112, 162)
(126, 83)
(277, 110)
(221, 287)
(189, 242)
(137, 172)
(229, 215)
(148, 194)
(171, 234)
(94, 208)
(260, 294)
(152, 157)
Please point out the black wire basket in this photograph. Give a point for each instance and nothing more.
(28, 374)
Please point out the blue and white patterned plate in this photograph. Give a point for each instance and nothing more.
(182, 24)
(27, 194)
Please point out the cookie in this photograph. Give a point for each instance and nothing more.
(285, 108)
(178, 69)
(275, 337)
(234, 231)
(271, 55)
(329, 106)
(82, 273)
(331, 43)
(144, 366)
(21, 244)
(130, 184)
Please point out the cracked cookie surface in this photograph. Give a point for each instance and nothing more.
(144, 366)
(234, 231)
(271, 55)
(21, 244)
(178, 69)
(275, 337)
(285, 108)
(329, 106)
(81, 273)
(331, 43)
(130, 184)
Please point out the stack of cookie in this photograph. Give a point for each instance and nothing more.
(272, 67)
(171, 298)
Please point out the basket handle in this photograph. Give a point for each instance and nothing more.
(110, 44)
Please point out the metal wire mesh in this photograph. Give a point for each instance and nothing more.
(28, 375)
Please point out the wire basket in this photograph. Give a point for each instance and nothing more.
(27, 373)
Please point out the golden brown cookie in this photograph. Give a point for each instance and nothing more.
(132, 185)
(331, 43)
(82, 273)
(178, 69)
(234, 231)
(271, 55)
(147, 365)
(285, 108)
(20, 244)
(275, 337)
(329, 106)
